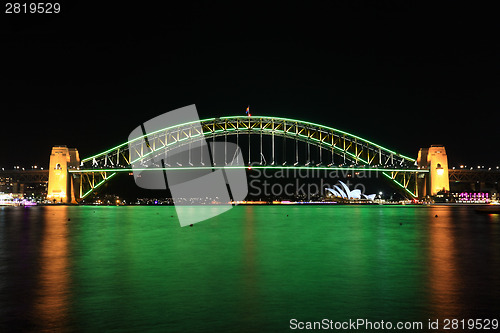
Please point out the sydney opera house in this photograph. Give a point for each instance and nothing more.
(343, 193)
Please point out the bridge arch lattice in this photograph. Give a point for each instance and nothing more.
(339, 149)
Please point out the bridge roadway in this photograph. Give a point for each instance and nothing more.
(474, 175)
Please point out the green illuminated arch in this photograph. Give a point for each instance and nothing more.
(361, 153)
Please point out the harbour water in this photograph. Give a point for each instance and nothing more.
(252, 269)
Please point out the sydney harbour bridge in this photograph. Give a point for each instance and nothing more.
(264, 143)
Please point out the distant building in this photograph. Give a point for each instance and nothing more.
(472, 197)
(27, 184)
(7, 184)
(343, 193)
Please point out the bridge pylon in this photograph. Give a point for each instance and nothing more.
(62, 185)
(435, 159)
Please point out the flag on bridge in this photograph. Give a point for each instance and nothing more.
(248, 111)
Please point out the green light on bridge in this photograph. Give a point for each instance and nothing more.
(322, 127)
(401, 185)
(98, 184)
(276, 167)
(246, 117)
(283, 132)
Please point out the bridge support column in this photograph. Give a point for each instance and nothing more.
(61, 186)
(437, 180)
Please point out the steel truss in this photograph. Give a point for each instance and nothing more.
(345, 149)
(473, 176)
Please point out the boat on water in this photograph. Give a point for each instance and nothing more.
(489, 209)
(6, 199)
(9, 200)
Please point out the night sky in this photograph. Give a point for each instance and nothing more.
(404, 75)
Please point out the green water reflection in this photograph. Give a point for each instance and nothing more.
(253, 268)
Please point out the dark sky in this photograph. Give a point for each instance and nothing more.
(403, 74)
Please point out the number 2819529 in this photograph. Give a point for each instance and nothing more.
(32, 8)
